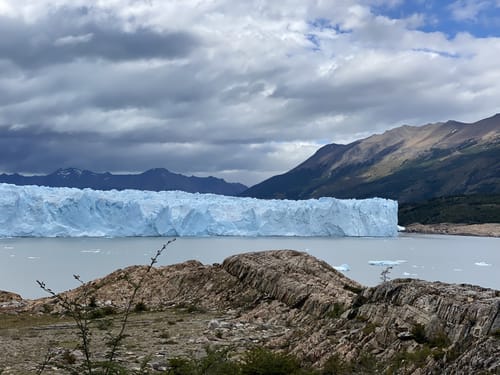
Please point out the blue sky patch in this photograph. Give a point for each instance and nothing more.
(478, 18)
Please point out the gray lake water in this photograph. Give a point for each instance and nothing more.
(454, 259)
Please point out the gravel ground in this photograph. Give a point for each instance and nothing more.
(482, 230)
(152, 336)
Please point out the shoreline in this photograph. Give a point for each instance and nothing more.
(280, 300)
(477, 230)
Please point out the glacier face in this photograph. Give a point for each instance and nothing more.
(35, 211)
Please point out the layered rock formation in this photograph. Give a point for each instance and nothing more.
(8, 297)
(404, 326)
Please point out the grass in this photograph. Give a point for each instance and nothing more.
(27, 320)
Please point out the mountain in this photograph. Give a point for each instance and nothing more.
(407, 163)
(157, 179)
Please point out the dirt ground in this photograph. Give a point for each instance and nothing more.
(153, 337)
(482, 230)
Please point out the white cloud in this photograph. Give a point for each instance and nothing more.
(240, 89)
(5, 8)
(73, 39)
(468, 10)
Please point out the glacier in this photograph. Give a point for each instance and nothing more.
(36, 211)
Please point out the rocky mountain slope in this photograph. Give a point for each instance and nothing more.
(290, 301)
(158, 179)
(408, 164)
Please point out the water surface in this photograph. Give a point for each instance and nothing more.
(455, 259)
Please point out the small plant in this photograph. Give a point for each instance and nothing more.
(215, 362)
(83, 309)
(104, 324)
(337, 310)
(140, 307)
(49, 355)
(264, 361)
(409, 360)
(369, 328)
(364, 363)
(101, 312)
(256, 361)
(496, 333)
(164, 335)
(335, 366)
(418, 333)
(194, 307)
(384, 275)
(439, 340)
(68, 357)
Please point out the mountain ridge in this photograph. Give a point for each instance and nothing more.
(156, 179)
(407, 163)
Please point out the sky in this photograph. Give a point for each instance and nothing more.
(241, 90)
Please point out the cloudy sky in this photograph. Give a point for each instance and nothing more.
(241, 90)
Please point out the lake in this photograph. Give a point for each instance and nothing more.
(454, 259)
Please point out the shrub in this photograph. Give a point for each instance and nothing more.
(83, 309)
(140, 307)
(335, 366)
(337, 310)
(215, 362)
(260, 361)
(418, 333)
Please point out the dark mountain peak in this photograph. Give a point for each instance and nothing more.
(495, 116)
(67, 172)
(156, 179)
(157, 171)
(407, 163)
(452, 122)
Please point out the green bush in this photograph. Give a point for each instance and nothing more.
(337, 310)
(418, 332)
(260, 361)
(216, 362)
(101, 312)
(257, 361)
(140, 307)
(364, 363)
(335, 366)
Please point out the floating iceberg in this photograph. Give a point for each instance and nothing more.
(482, 264)
(35, 211)
(385, 263)
(343, 267)
(410, 274)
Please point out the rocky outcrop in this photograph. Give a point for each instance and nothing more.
(9, 297)
(188, 284)
(10, 301)
(404, 326)
(294, 278)
(459, 324)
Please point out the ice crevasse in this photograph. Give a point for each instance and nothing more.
(35, 211)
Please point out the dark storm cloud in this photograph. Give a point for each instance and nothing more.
(232, 89)
(41, 150)
(65, 37)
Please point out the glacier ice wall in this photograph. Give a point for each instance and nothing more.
(35, 211)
